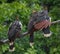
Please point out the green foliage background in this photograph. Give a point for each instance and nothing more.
(24, 8)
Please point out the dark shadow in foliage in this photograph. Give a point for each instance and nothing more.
(10, 1)
(7, 22)
(5, 52)
(0, 2)
(45, 48)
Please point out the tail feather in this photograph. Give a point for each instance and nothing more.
(11, 47)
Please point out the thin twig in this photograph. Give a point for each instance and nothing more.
(54, 22)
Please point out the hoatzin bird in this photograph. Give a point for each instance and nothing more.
(14, 32)
(39, 21)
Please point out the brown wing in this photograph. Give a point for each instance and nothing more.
(41, 25)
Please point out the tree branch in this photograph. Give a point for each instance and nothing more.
(54, 22)
(25, 33)
(4, 41)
